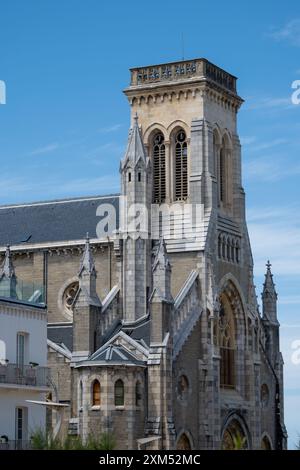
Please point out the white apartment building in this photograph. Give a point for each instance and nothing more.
(23, 361)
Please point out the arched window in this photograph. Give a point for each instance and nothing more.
(96, 393)
(265, 443)
(237, 252)
(183, 387)
(227, 346)
(215, 156)
(220, 246)
(225, 173)
(234, 437)
(223, 247)
(119, 393)
(138, 394)
(264, 395)
(159, 168)
(181, 166)
(232, 250)
(228, 249)
(222, 175)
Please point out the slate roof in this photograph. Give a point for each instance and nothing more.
(139, 332)
(61, 334)
(53, 221)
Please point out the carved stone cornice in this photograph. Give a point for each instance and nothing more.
(18, 309)
(57, 248)
(190, 91)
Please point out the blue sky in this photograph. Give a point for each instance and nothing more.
(64, 127)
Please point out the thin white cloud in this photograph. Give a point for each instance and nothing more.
(269, 103)
(270, 168)
(22, 188)
(290, 300)
(268, 145)
(100, 185)
(101, 152)
(289, 32)
(107, 130)
(271, 214)
(247, 140)
(46, 149)
(13, 185)
(275, 237)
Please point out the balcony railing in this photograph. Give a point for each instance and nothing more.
(182, 70)
(30, 292)
(31, 376)
(15, 445)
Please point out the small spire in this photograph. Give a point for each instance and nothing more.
(7, 270)
(87, 262)
(161, 270)
(135, 149)
(161, 256)
(269, 285)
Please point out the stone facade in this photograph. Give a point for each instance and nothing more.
(168, 325)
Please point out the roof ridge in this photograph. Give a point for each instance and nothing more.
(58, 201)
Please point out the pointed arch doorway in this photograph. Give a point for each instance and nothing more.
(183, 443)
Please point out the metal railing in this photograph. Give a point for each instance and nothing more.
(33, 376)
(15, 445)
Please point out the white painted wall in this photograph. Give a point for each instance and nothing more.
(34, 324)
(16, 318)
(10, 399)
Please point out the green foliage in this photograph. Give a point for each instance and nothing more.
(107, 442)
(239, 442)
(45, 441)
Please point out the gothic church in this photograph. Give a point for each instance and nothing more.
(158, 340)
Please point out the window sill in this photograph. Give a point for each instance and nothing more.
(120, 407)
(95, 408)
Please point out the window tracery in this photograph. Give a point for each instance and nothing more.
(181, 166)
(226, 341)
(159, 168)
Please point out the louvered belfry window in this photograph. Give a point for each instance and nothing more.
(222, 182)
(181, 166)
(159, 168)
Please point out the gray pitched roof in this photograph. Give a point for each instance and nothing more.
(53, 221)
(61, 333)
(140, 332)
